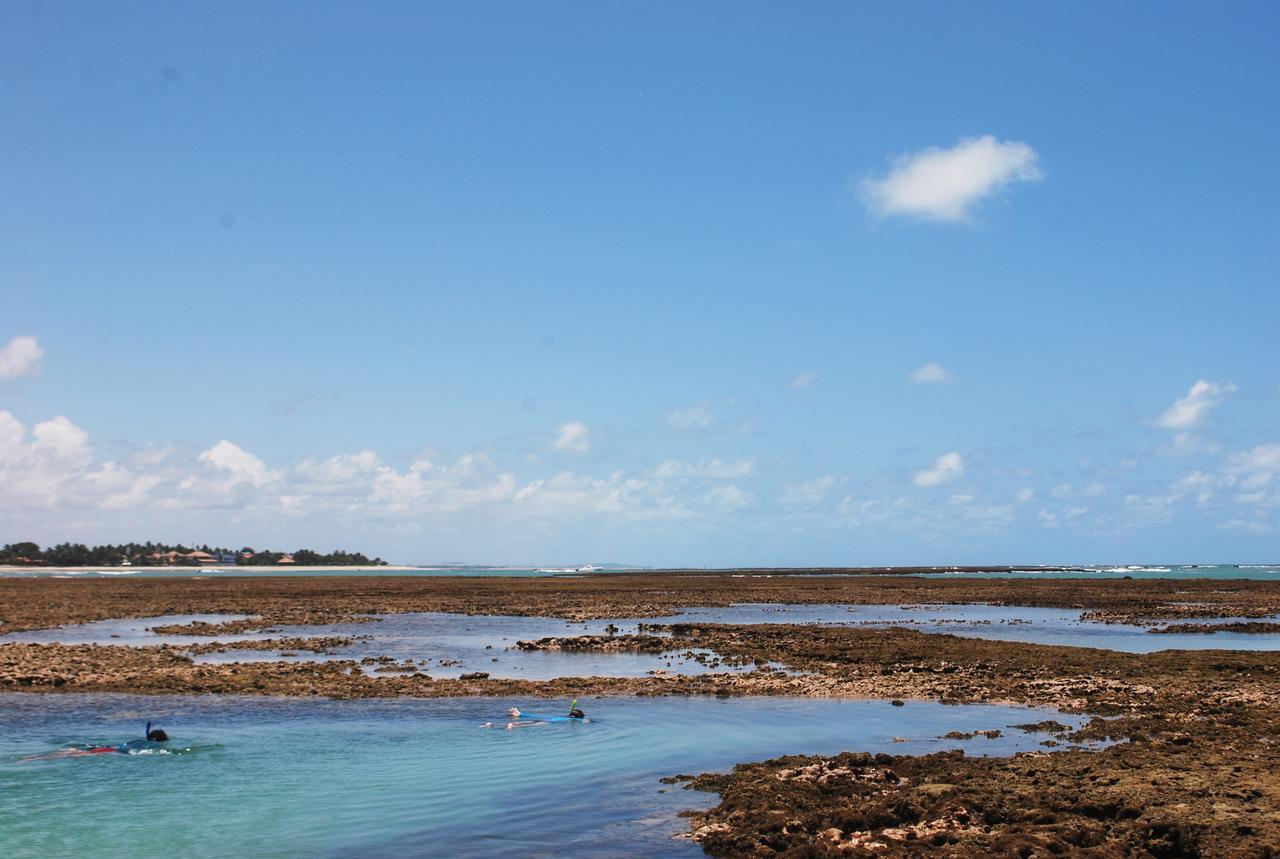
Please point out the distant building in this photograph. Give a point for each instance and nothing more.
(195, 559)
(227, 558)
(286, 559)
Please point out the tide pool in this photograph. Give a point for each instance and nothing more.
(448, 645)
(302, 778)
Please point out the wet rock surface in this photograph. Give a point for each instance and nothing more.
(1131, 800)
(43, 603)
(600, 643)
(314, 644)
(1253, 627)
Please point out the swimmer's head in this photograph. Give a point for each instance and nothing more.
(157, 735)
(514, 712)
(575, 713)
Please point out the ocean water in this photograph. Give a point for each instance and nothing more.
(269, 777)
(1134, 571)
(232, 571)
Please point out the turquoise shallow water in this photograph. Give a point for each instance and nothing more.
(301, 778)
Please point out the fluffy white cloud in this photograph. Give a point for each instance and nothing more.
(1189, 410)
(243, 467)
(572, 437)
(944, 184)
(931, 373)
(946, 468)
(20, 358)
(1025, 494)
(692, 418)
(63, 440)
(337, 471)
(37, 472)
(706, 469)
(804, 380)
(472, 480)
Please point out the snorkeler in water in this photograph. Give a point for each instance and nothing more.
(524, 720)
(154, 738)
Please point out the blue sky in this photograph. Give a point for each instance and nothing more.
(702, 284)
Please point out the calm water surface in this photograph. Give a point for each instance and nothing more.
(447, 645)
(288, 777)
(1134, 571)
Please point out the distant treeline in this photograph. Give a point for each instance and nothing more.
(162, 554)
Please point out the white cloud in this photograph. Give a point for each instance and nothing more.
(572, 437)
(1025, 494)
(38, 472)
(728, 498)
(1066, 490)
(1189, 410)
(946, 468)
(1188, 444)
(692, 418)
(63, 440)
(809, 493)
(804, 380)
(944, 184)
(472, 480)
(1252, 472)
(243, 467)
(1263, 458)
(20, 358)
(931, 373)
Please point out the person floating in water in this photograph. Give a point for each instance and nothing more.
(155, 738)
(524, 720)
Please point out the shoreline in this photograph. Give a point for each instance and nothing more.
(1187, 716)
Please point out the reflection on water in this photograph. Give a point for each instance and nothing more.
(442, 645)
(1003, 623)
(288, 777)
(449, 645)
